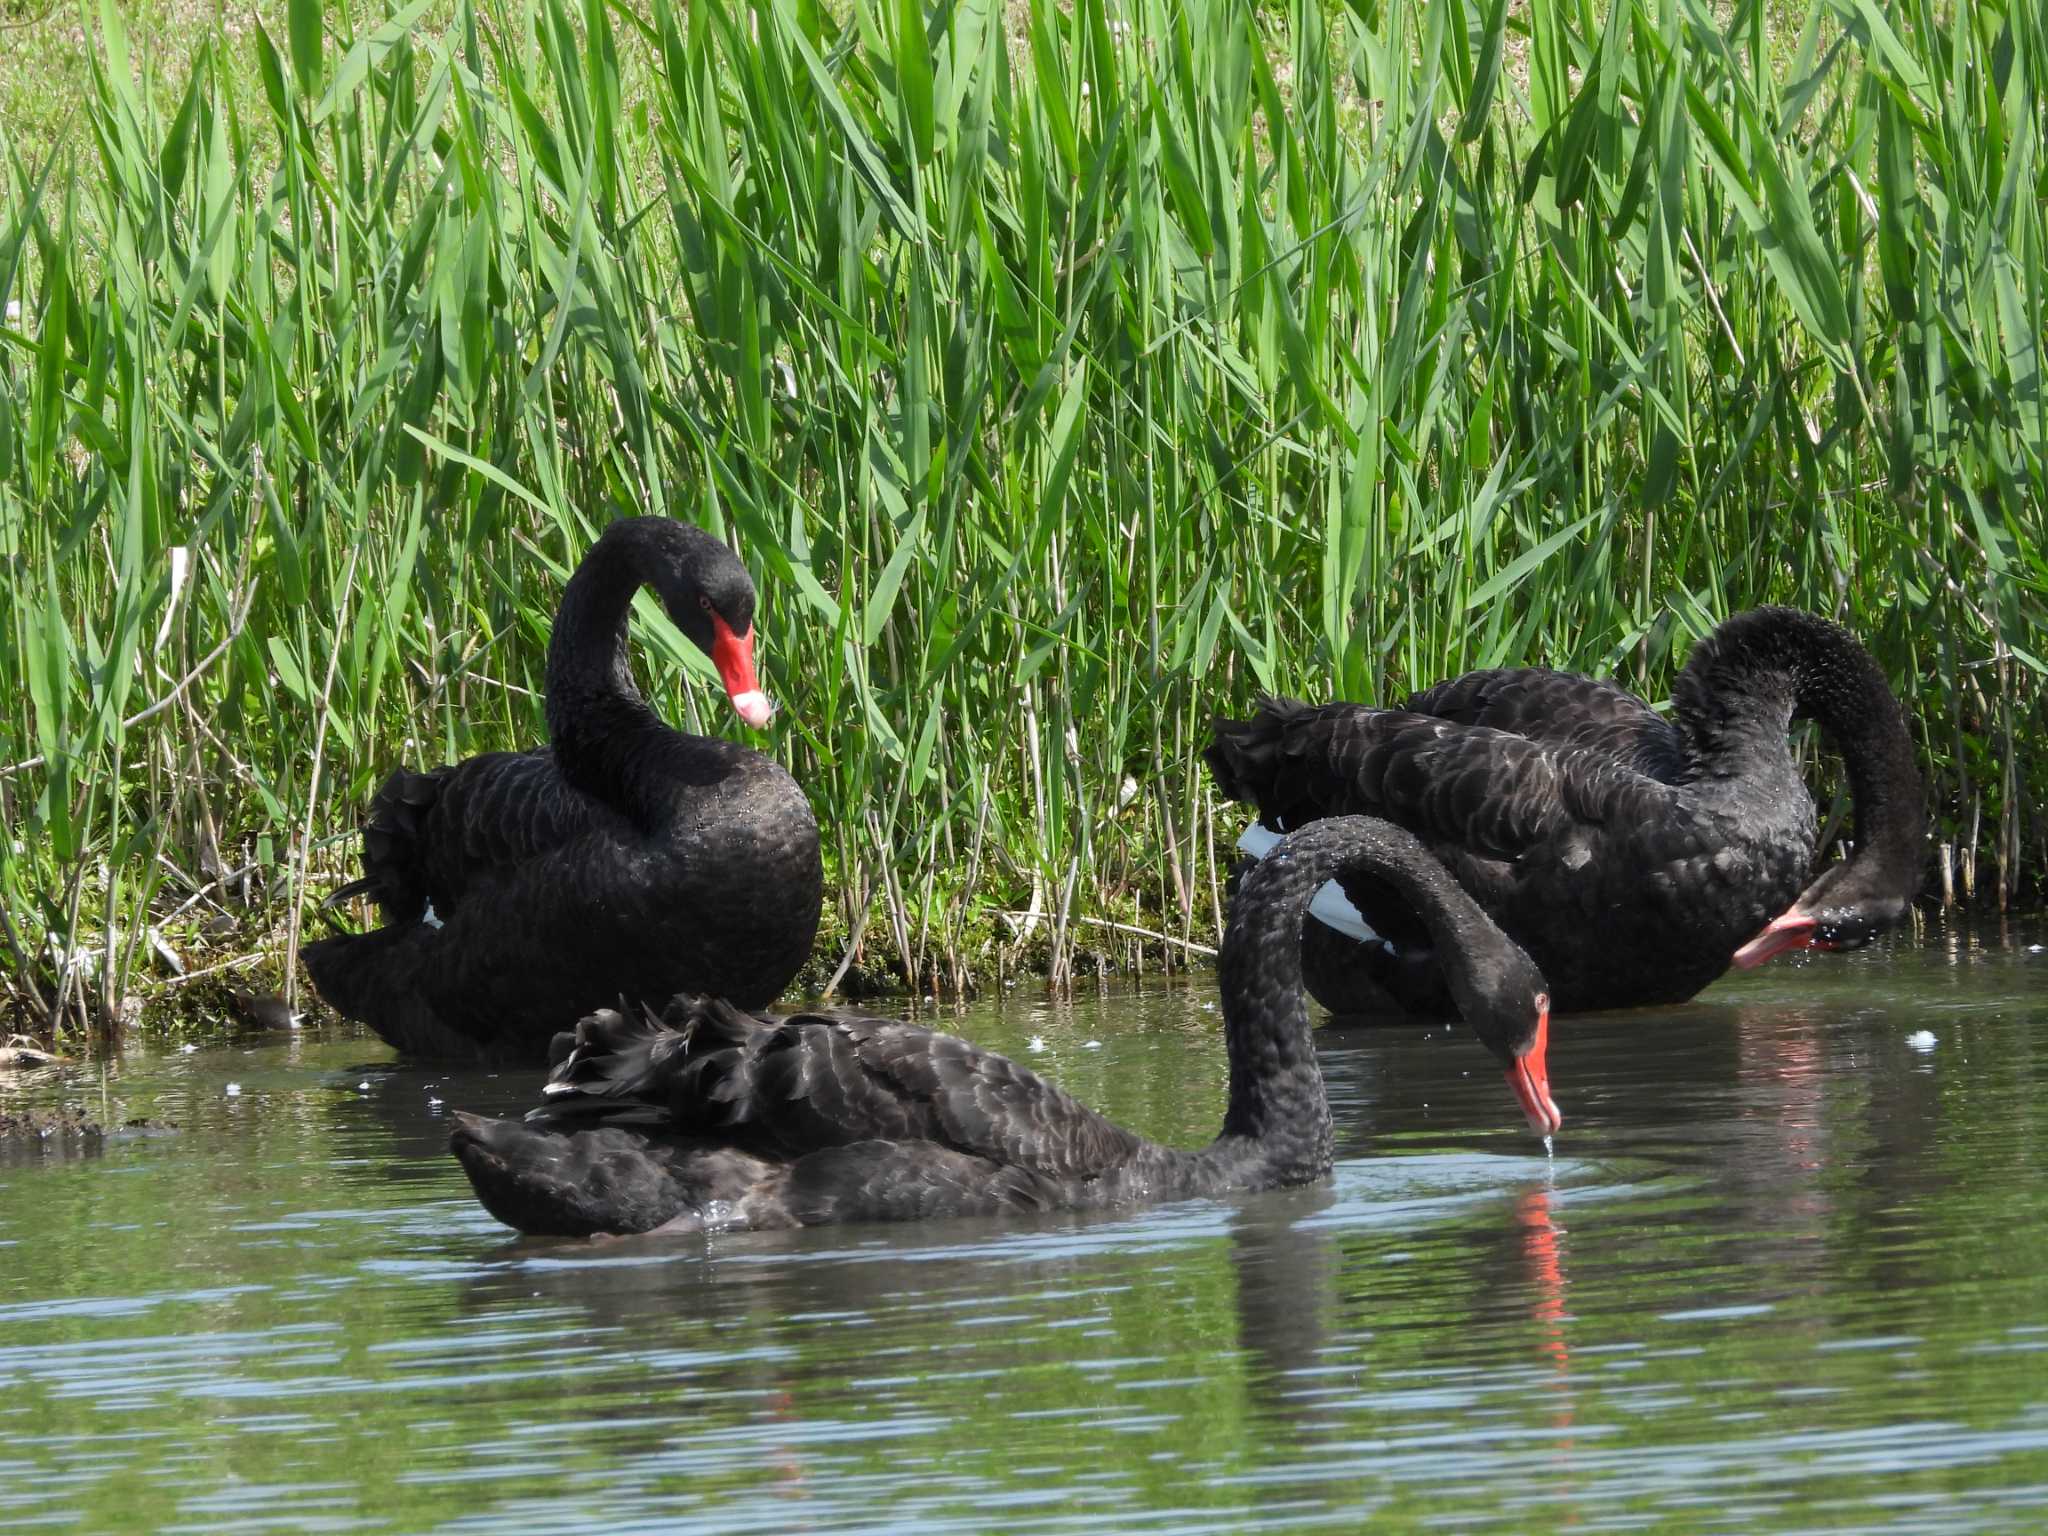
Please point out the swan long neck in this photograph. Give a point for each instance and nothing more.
(594, 710)
(1744, 685)
(1278, 1111)
(1277, 1102)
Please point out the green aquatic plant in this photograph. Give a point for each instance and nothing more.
(1067, 374)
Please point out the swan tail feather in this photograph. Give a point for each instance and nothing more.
(361, 887)
(394, 847)
(1245, 756)
(621, 1061)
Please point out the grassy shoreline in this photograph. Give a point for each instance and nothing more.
(1067, 376)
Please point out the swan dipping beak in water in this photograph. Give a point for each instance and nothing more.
(1528, 1072)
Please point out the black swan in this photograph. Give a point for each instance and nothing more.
(520, 890)
(1635, 858)
(713, 1118)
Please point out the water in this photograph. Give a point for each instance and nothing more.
(1788, 1270)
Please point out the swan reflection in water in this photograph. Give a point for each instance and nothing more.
(878, 1331)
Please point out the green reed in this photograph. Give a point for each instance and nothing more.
(1067, 373)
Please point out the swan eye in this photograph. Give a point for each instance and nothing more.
(704, 602)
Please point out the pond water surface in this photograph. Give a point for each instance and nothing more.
(1787, 1271)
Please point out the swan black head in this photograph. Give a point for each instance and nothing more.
(1761, 668)
(709, 596)
(1505, 1001)
(1848, 906)
(1501, 994)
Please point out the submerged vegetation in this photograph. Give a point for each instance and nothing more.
(1067, 373)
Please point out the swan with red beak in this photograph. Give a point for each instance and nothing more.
(1499, 991)
(520, 890)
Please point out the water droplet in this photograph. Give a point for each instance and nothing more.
(1548, 1150)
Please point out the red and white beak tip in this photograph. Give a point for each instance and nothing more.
(1793, 929)
(733, 655)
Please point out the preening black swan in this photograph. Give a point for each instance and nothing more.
(710, 1117)
(1635, 858)
(520, 890)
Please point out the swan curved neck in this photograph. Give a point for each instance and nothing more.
(594, 710)
(1278, 1113)
(1745, 684)
(1277, 1127)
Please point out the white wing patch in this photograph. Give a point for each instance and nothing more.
(1331, 906)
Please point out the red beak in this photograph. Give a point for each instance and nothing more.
(1791, 930)
(1529, 1077)
(733, 655)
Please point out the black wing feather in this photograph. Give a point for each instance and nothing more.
(1484, 792)
(430, 836)
(1562, 709)
(907, 1181)
(795, 1085)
